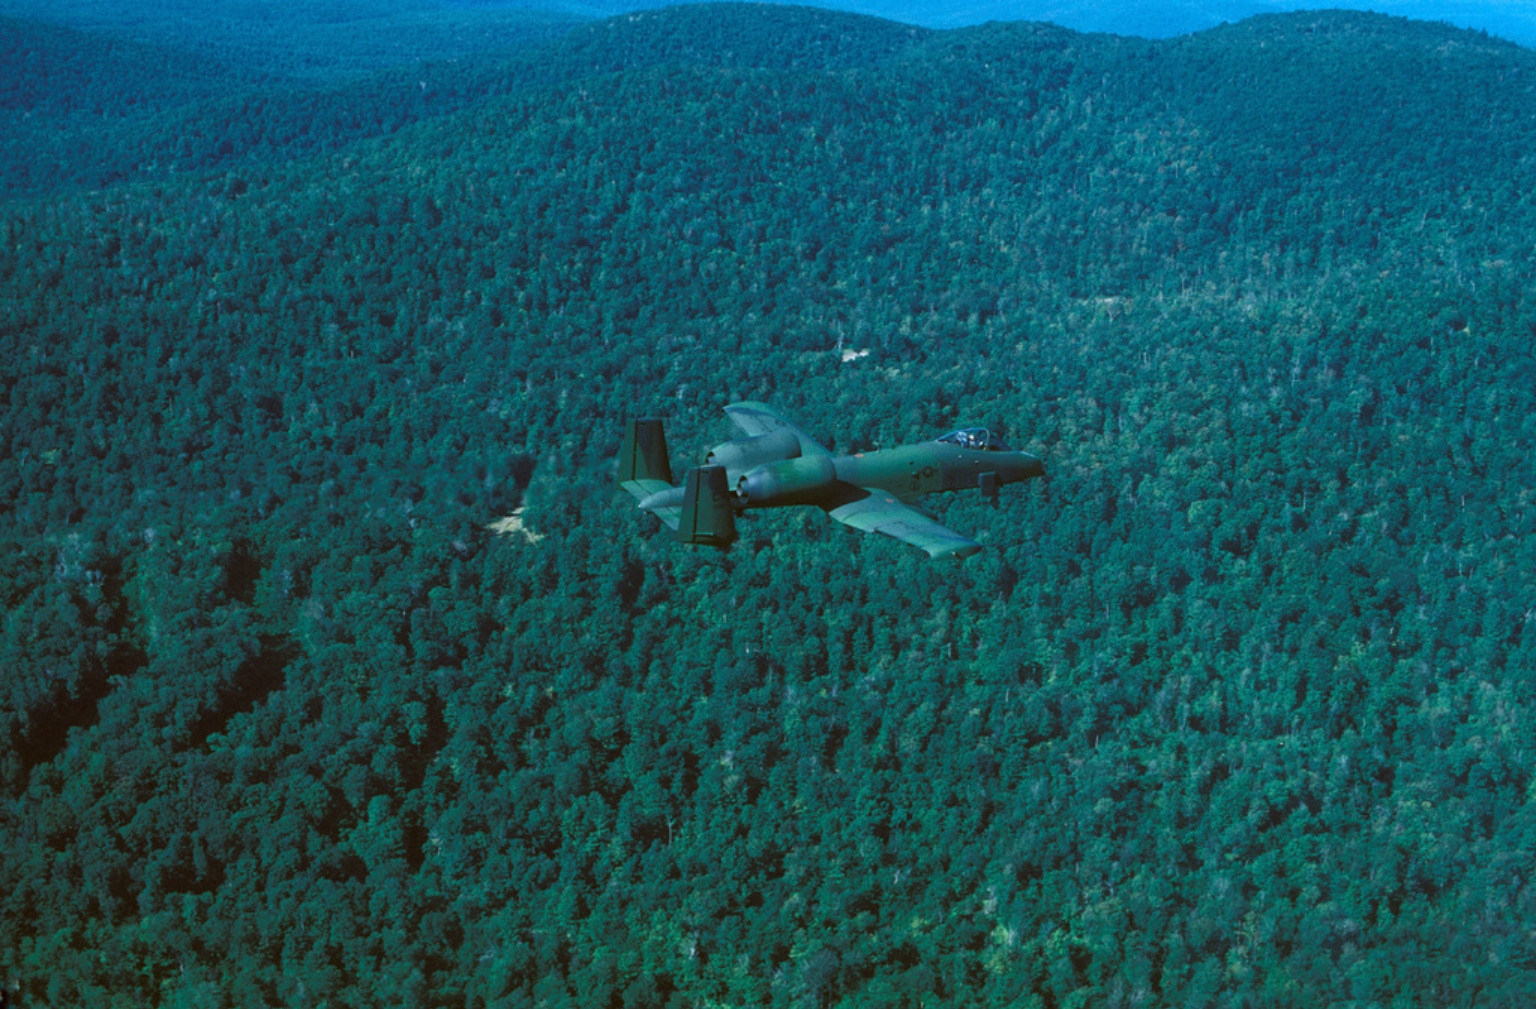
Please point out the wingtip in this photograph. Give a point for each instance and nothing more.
(958, 552)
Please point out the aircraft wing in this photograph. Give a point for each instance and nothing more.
(755, 419)
(878, 512)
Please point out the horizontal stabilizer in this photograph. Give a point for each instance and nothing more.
(666, 504)
(645, 470)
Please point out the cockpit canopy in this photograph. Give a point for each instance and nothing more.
(978, 439)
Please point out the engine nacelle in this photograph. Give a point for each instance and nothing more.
(746, 453)
(793, 481)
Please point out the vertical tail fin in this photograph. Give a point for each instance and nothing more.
(643, 459)
(708, 517)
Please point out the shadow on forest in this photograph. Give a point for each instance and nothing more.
(50, 725)
(255, 678)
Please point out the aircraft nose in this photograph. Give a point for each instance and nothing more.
(1029, 466)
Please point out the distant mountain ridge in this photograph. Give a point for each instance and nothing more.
(88, 113)
(1510, 19)
(377, 33)
(54, 69)
(313, 42)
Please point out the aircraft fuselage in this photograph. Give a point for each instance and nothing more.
(911, 471)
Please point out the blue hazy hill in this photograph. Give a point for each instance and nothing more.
(89, 110)
(1511, 19)
(309, 39)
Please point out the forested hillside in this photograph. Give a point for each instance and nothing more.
(87, 112)
(319, 40)
(1233, 709)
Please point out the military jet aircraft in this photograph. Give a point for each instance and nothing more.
(779, 464)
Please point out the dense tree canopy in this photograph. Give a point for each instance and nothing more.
(1233, 709)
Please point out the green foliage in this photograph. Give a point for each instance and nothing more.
(81, 117)
(1232, 709)
(318, 40)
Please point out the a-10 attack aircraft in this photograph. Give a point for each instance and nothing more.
(779, 464)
